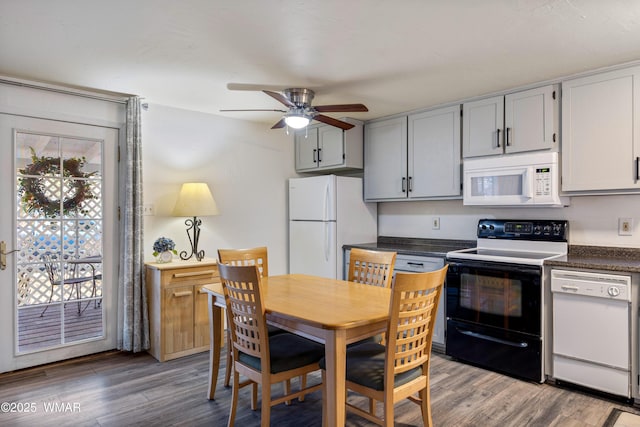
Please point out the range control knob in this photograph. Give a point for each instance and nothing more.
(613, 291)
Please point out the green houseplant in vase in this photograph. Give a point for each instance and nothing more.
(164, 249)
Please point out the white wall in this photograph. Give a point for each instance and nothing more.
(246, 166)
(593, 220)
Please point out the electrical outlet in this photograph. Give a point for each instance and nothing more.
(148, 210)
(625, 226)
(435, 223)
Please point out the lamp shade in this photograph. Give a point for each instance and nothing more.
(195, 199)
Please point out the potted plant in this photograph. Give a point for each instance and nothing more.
(164, 249)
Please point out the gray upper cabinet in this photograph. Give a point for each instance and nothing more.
(514, 123)
(601, 132)
(385, 159)
(414, 157)
(434, 153)
(320, 148)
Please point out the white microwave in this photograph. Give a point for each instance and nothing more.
(526, 180)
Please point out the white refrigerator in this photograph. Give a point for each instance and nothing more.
(325, 213)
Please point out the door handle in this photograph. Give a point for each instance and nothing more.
(3, 255)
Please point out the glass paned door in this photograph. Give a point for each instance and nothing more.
(58, 186)
(59, 236)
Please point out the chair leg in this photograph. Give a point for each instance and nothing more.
(265, 416)
(78, 297)
(227, 373)
(303, 385)
(50, 299)
(324, 398)
(254, 396)
(388, 412)
(425, 406)
(287, 390)
(234, 398)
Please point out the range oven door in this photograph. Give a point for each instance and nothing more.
(505, 296)
(494, 317)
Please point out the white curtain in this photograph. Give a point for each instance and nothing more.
(133, 317)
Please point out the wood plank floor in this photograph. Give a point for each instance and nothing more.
(121, 389)
(36, 332)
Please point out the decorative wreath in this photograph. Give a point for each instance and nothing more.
(33, 192)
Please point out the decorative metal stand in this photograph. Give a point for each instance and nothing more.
(193, 228)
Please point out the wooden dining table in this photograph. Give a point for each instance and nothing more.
(329, 311)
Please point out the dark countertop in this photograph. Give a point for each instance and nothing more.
(415, 246)
(599, 258)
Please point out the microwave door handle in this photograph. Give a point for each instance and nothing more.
(527, 185)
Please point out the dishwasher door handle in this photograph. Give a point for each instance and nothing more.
(494, 339)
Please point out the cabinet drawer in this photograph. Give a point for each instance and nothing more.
(200, 275)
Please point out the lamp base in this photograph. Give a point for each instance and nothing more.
(193, 232)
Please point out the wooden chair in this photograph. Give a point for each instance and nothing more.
(371, 267)
(261, 358)
(401, 368)
(252, 256)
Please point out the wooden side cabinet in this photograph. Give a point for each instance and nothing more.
(178, 312)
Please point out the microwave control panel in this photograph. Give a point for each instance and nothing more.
(543, 181)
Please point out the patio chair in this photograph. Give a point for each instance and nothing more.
(58, 278)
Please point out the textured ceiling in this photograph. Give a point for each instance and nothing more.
(393, 56)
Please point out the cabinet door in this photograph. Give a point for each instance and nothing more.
(306, 147)
(200, 318)
(530, 118)
(482, 126)
(385, 159)
(434, 153)
(177, 319)
(600, 125)
(330, 146)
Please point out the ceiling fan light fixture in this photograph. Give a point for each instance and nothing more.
(297, 121)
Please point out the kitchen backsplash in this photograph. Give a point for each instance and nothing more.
(593, 220)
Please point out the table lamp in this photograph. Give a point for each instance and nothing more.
(194, 200)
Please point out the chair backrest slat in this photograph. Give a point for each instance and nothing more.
(371, 267)
(252, 256)
(244, 298)
(413, 308)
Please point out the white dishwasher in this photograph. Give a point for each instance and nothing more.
(592, 330)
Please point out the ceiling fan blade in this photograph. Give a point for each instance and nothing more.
(333, 122)
(280, 97)
(280, 111)
(279, 125)
(340, 108)
(255, 87)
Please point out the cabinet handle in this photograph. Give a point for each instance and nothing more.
(193, 273)
(498, 138)
(314, 155)
(506, 136)
(404, 184)
(319, 156)
(181, 294)
(637, 169)
(410, 184)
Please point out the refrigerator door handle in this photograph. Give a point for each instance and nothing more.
(325, 210)
(327, 241)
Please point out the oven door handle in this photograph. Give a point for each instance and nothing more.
(498, 340)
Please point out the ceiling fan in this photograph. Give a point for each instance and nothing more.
(301, 112)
